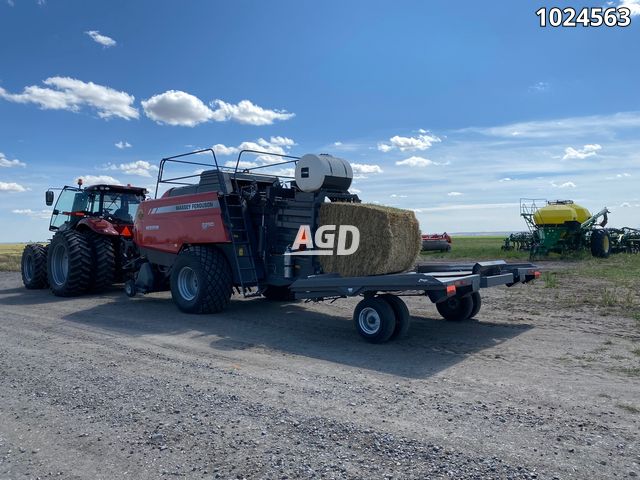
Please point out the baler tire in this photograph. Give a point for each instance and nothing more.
(374, 320)
(477, 304)
(33, 266)
(600, 243)
(213, 284)
(278, 293)
(401, 311)
(455, 309)
(75, 281)
(103, 262)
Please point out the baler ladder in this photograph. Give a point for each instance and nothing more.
(242, 252)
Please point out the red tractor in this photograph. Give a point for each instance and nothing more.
(92, 243)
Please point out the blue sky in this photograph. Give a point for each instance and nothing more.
(453, 109)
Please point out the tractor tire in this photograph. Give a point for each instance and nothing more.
(201, 281)
(477, 304)
(401, 311)
(278, 293)
(103, 262)
(455, 309)
(69, 263)
(600, 243)
(374, 319)
(34, 266)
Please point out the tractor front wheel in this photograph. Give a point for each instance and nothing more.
(455, 309)
(34, 266)
(69, 263)
(201, 281)
(600, 243)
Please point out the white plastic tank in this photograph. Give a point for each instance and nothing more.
(314, 172)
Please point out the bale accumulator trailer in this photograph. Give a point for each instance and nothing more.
(231, 228)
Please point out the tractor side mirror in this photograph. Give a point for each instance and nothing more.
(48, 197)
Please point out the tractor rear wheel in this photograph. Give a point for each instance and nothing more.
(455, 309)
(201, 281)
(69, 263)
(401, 311)
(104, 262)
(374, 319)
(600, 243)
(34, 266)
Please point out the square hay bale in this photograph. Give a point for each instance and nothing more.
(389, 239)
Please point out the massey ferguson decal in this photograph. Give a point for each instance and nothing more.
(185, 207)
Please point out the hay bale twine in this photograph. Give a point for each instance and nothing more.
(389, 239)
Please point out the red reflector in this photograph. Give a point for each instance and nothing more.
(126, 232)
(536, 274)
(451, 290)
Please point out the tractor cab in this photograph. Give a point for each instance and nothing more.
(114, 203)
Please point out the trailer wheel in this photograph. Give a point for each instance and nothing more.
(69, 263)
(278, 293)
(600, 243)
(33, 266)
(104, 262)
(477, 304)
(374, 320)
(401, 312)
(456, 308)
(201, 281)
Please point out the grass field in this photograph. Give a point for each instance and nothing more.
(10, 254)
(476, 248)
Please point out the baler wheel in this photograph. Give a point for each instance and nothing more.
(34, 266)
(456, 308)
(401, 311)
(201, 280)
(69, 263)
(374, 319)
(104, 262)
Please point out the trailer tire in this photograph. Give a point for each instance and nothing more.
(33, 266)
(104, 262)
(201, 280)
(600, 243)
(374, 320)
(401, 312)
(455, 309)
(477, 304)
(69, 263)
(278, 293)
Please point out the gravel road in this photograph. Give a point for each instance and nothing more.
(106, 387)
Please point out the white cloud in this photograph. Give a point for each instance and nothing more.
(540, 87)
(11, 187)
(563, 185)
(282, 141)
(472, 206)
(419, 162)
(247, 112)
(41, 214)
(97, 179)
(364, 168)
(175, 107)
(337, 144)
(71, 94)
(141, 168)
(241, 164)
(454, 194)
(11, 3)
(355, 191)
(590, 150)
(632, 5)
(625, 204)
(395, 195)
(5, 162)
(505, 179)
(221, 149)
(421, 142)
(122, 145)
(103, 40)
